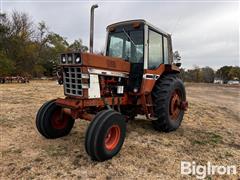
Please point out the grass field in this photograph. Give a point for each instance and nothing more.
(210, 131)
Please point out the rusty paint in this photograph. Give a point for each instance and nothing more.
(86, 116)
(74, 103)
(68, 103)
(105, 62)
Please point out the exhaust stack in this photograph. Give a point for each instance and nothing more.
(92, 27)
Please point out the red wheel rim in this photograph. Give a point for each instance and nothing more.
(59, 119)
(112, 137)
(175, 105)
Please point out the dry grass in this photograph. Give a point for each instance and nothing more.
(210, 132)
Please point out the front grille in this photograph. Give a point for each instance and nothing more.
(72, 77)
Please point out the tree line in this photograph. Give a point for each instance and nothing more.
(207, 74)
(29, 49)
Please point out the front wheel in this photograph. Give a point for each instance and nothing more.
(105, 135)
(52, 122)
(169, 98)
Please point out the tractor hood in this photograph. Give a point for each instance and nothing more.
(105, 62)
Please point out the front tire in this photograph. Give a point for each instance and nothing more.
(168, 97)
(105, 135)
(52, 122)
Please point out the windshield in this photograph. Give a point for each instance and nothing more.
(127, 45)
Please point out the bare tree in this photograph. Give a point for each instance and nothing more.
(21, 25)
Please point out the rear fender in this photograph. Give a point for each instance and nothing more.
(151, 76)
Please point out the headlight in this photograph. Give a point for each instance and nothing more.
(63, 59)
(69, 58)
(77, 60)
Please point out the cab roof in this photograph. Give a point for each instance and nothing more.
(142, 21)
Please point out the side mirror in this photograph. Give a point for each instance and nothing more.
(176, 56)
(177, 59)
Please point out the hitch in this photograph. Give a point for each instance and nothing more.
(184, 105)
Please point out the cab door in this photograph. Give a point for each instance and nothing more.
(157, 49)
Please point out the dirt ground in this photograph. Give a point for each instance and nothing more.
(210, 131)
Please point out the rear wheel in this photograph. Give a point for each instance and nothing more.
(105, 135)
(169, 100)
(52, 122)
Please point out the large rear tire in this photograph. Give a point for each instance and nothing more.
(52, 122)
(168, 97)
(105, 135)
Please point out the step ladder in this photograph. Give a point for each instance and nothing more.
(147, 103)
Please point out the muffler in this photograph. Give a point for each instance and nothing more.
(92, 27)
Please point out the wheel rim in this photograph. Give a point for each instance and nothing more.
(175, 105)
(112, 137)
(59, 119)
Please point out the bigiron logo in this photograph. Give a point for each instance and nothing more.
(202, 171)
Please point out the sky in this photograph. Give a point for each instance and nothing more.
(206, 33)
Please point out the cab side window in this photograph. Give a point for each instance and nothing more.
(165, 49)
(155, 50)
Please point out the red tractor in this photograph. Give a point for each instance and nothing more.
(135, 76)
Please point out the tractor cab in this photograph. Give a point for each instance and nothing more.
(141, 44)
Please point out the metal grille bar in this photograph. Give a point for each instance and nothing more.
(72, 77)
